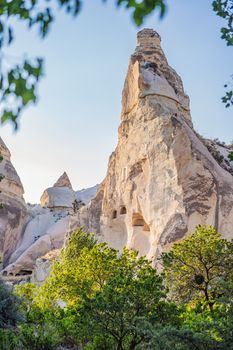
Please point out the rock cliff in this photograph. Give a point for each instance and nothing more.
(13, 212)
(163, 179)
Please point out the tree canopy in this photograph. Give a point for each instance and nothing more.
(199, 268)
(98, 298)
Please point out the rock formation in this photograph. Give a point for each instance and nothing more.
(60, 196)
(45, 230)
(43, 266)
(13, 213)
(63, 181)
(162, 179)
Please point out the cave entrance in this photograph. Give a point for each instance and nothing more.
(114, 214)
(123, 211)
(138, 220)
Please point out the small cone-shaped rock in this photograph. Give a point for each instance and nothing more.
(61, 195)
(63, 181)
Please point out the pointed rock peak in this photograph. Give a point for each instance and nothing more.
(148, 37)
(63, 181)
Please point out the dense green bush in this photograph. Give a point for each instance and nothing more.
(118, 301)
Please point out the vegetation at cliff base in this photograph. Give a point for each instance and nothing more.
(98, 298)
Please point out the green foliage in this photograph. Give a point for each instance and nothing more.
(9, 339)
(9, 305)
(131, 296)
(200, 268)
(97, 298)
(18, 88)
(66, 275)
(224, 9)
(230, 156)
(143, 8)
(39, 337)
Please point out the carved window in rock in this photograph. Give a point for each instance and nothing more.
(114, 214)
(123, 211)
(138, 220)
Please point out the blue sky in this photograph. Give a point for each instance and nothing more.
(74, 125)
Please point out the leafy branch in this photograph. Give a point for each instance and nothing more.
(224, 9)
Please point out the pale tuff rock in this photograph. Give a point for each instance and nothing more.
(162, 180)
(43, 266)
(45, 230)
(86, 194)
(88, 216)
(63, 181)
(61, 195)
(13, 215)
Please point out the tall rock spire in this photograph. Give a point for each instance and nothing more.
(149, 74)
(162, 180)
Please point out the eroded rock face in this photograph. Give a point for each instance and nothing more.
(13, 214)
(63, 181)
(46, 228)
(162, 180)
(60, 196)
(43, 266)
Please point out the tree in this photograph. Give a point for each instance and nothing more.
(9, 306)
(130, 298)
(63, 281)
(199, 268)
(104, 299)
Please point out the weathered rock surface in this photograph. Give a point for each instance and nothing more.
(63, 181)
(46, 228)
(60, 196)
(43, 266)
(45, 232)
(86, 194)
(13, 213)
(162, 180)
